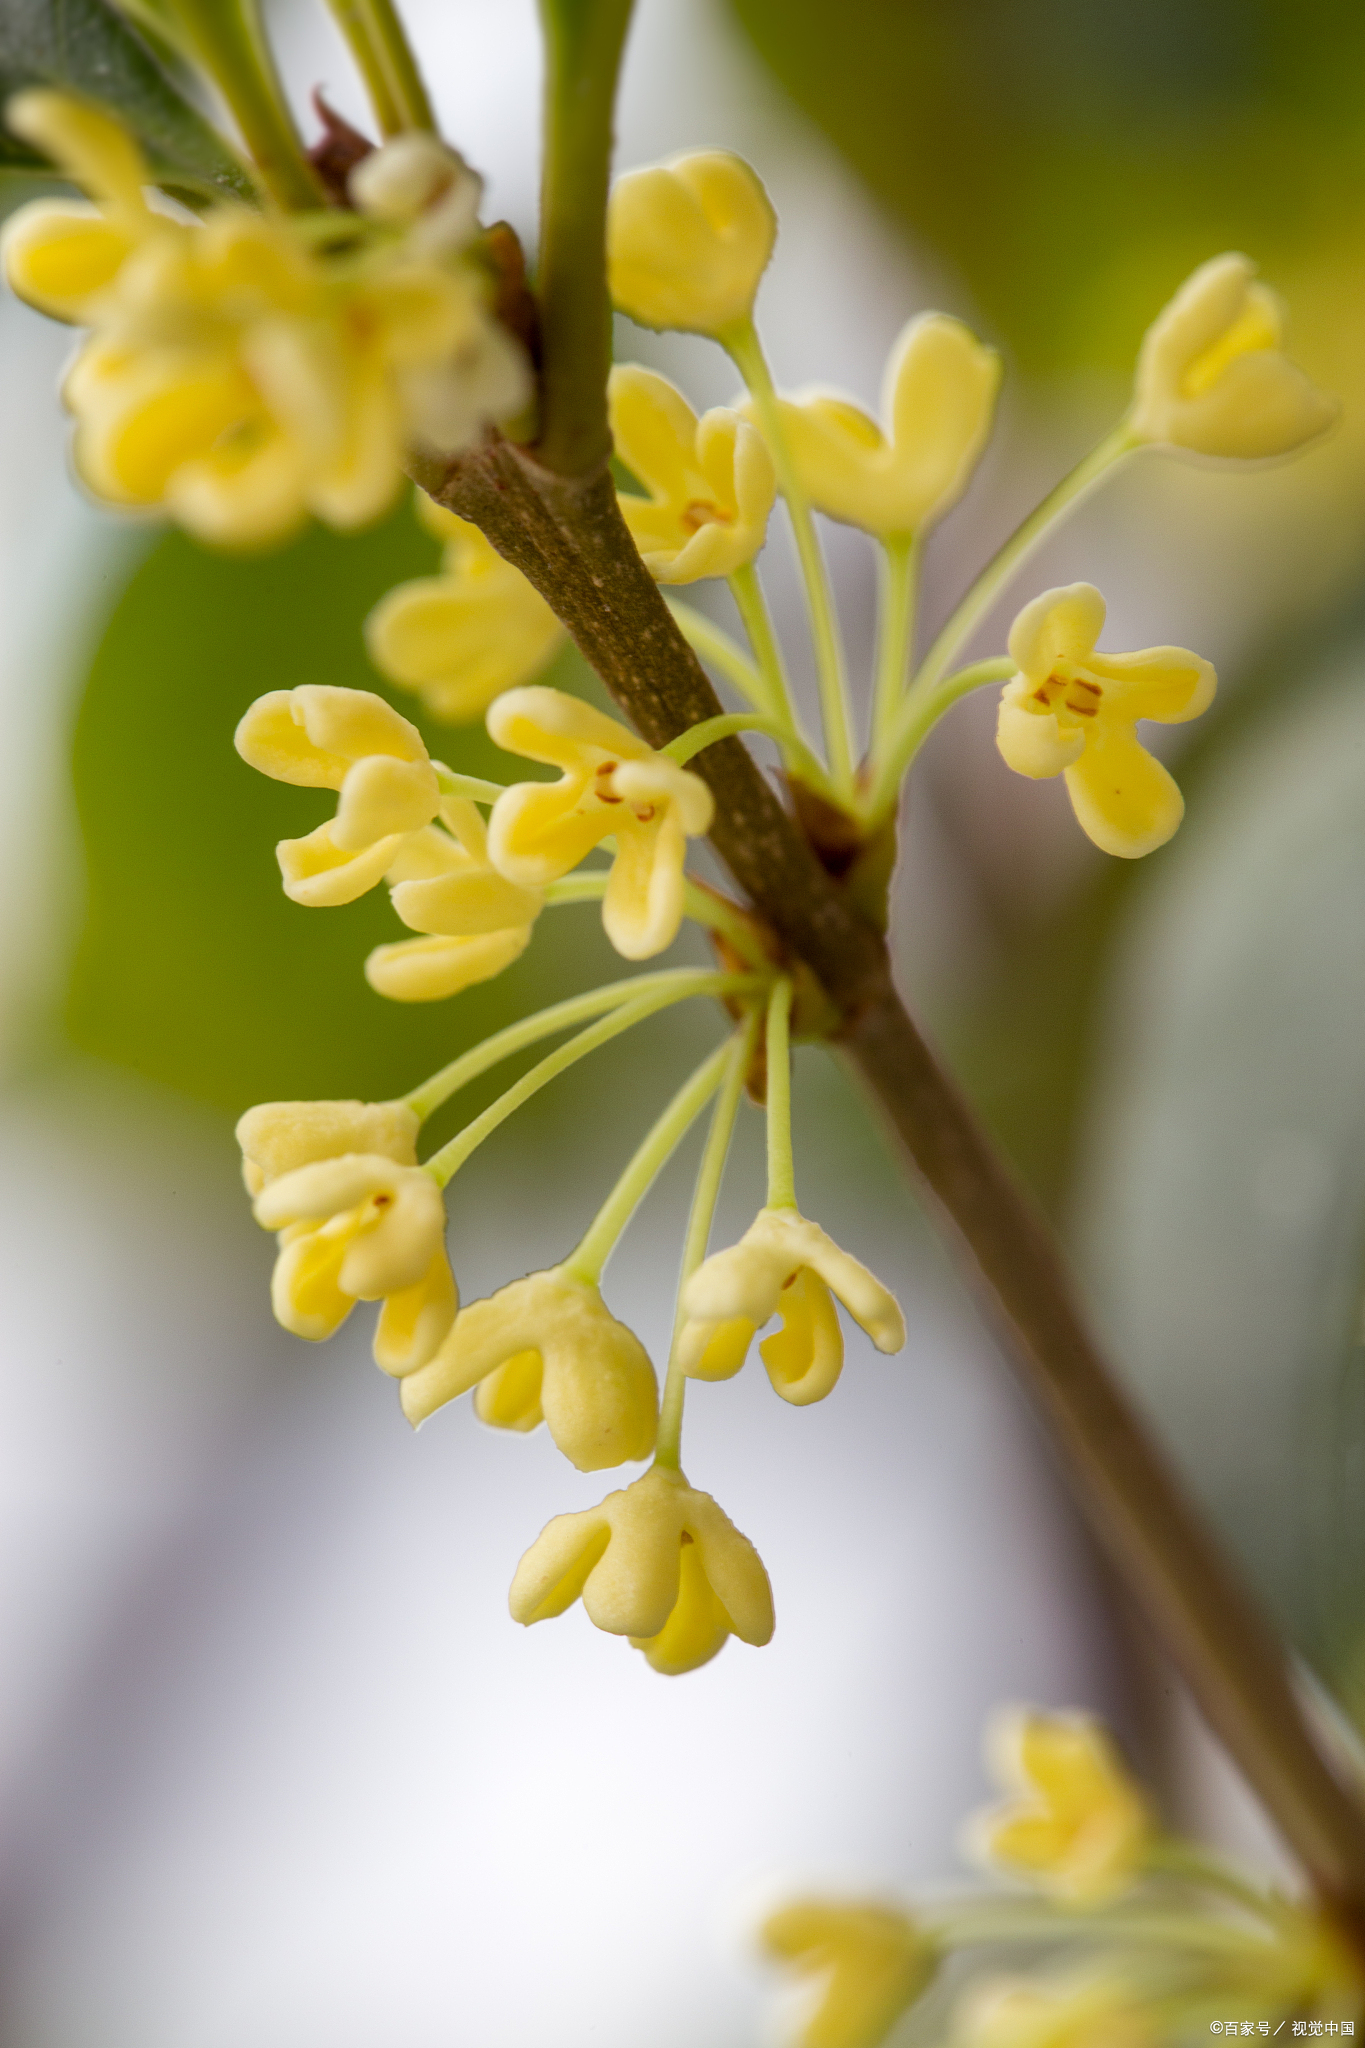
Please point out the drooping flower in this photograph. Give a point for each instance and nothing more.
(476, 922)
(1097, 2011)
(1212, 375)
(866, 1963)
(710, 481)
(241, 373)
(548, 1349)
(275, 1137)
(353, 742)
(1073, 710)
(657, 1562)
(688, 241)
(899, 477)
(362, 1227)
(461, 638)
(1079, 1826)
(782, 1264)
(612, 784)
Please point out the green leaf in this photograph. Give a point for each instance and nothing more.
(1222, 1211)
(85, 47)
(194, 968)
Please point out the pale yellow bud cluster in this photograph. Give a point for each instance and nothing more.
(861, 1964)
(242, 373)
(1078, 1825)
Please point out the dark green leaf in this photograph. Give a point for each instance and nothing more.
(85, 47)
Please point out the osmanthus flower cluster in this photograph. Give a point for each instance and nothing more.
(1142, 1938)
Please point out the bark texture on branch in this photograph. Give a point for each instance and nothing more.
(568, 538)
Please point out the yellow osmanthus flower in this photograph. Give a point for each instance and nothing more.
(238, 374)
(1073, 710)
(476, 922)
(657, 1562)
(688, 241)
(461, 638)
(362, 1227)
(897, 478)
(612, 784)
(782, 1264)
(1080, 1826)
(1212, 375)
(1097, 2012)
(276, 1137)
(351, 741)
(710, 481)
(867, 1964)
(548, 1349)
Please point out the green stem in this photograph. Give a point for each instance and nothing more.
(227, 38)
(721, 915)
(715, 645)
(583, 44)
(743, 346)
(1020, 544)
(652, 1154)
(451, 1157)
(781, 1168)
(429, 1095)
(450, 783)
(738, 1055)
(799, 756)
(1174, 1858)
(992, 1921)
(747, 592)
(920, 710)
(896, 627)
(384, 58)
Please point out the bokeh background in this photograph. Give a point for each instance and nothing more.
(274, 1766)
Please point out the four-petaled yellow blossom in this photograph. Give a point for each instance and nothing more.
(1212, 375)
(239, 374)
(1084, 2012)
(868, 1963)
(461, 638)
(1080, 1827)
(897, 479)
(782, 1264)
(688, 241)
(1073, 710)
(657, 1562)
(362, 1227)
(710, 481)
(548, 1349)
(612, 784)
(443, 885)
(275, 1137)
(353, 742)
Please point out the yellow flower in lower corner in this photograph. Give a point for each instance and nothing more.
(867, 1964)
(657, 1562)
(1213, 377)
(362, 1227)
(612, 784)
(461, 638)
(1084, 2012)
(710, 481)
(475, 921)
(783, 1265)
(1080, 1827)
(275, 1137)
(1072, 710)
(548, 1349)
(355, 743)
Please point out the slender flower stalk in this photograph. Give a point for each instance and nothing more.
(781, 1169)
(742, 343)
(969, 614)
(717, 646)
(599, 1240)
(896, 631)
(229, 40)
(698, 737)
(738, 1055)
(918, 712)
(475, 787)
(452, 1156)
(383, 55)
(752, 606)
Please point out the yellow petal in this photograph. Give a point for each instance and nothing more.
(1057, 626)
(275, 1137)
(510, 1397)
(1165, 683)
(806, 1355)
(462, 641)
(643, 907)
(428, 970)
(537, 831)
(314, 735)
(654, 430)
(556, 1568)
(688, 241)
(414, 1321)
(695, 1630)
(83, 141)
(549, 725)
(382, 798)
(58, 256)
(304, 1289)
(714, 1350)
(162, 417)
(246, 492)
(320, 874)
(466, 903)
(1122, 796)
(1030, 740)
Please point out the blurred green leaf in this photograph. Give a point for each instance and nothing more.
(1074, 161)
(194, 968)
(85, 47)
(1221, 1212)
